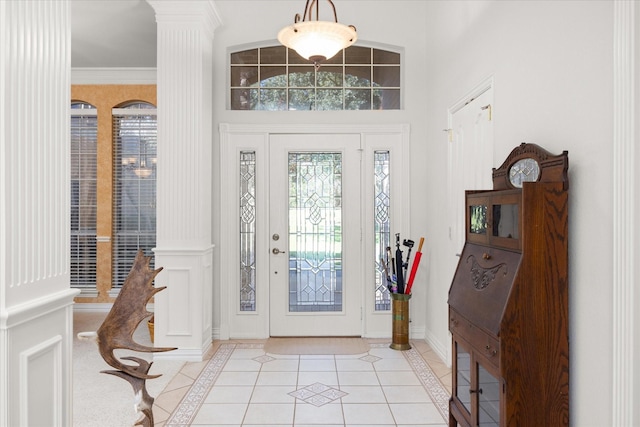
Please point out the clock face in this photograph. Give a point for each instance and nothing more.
(524, 170)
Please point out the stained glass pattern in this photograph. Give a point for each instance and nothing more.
(247, 231)
(315, 232)
(382, 226)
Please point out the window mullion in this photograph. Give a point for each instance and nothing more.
(254, 73)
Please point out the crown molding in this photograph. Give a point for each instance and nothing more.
(189, 12)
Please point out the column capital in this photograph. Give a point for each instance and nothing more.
(187, 12)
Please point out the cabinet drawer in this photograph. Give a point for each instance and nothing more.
(481, 342)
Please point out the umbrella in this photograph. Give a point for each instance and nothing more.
(414, 267)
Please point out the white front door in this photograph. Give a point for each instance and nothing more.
(315, 248)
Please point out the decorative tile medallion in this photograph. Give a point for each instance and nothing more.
(318, 394)
(370, 358)
(263, 359)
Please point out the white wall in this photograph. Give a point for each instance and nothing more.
(552, 64)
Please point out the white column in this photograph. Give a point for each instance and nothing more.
(183, 311)
(625, 217)
(35, 298)
(625, 99)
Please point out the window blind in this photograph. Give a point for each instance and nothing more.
(83, 150)
(134, 183)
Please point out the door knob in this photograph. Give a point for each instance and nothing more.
(276, 251)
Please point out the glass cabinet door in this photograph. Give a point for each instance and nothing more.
(488, 399)
(505, 225)
(463, 376)
(477, 218)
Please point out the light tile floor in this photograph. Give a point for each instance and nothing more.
(241, 385)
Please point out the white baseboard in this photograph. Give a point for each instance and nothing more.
(186, 355)
(98, 307)
(377, 335)
(442, 350)
(416, 333)
(215, 334)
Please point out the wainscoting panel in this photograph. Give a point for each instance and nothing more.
(183, 309)
(38, 368)
(41, 383)
(179, 296)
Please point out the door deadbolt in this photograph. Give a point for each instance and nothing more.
(276, 237)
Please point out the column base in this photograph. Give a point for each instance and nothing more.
(184, 310)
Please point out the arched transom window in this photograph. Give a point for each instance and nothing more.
(277, 78)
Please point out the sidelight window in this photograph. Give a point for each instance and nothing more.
(382, 227)
(247, 231)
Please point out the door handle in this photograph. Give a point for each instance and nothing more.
(276, 251)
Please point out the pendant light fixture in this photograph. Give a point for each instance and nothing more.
(317, 40)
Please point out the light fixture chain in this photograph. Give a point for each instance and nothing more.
(308, 11)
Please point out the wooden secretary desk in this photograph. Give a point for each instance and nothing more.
(508, 301)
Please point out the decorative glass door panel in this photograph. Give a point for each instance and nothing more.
(314, 211)
(315, 232)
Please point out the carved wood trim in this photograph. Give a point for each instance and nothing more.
(553, 168)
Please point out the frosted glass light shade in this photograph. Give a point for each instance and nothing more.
(317, 40)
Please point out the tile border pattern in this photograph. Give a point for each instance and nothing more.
(188, 408)
(439, 395)
(192, 401)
